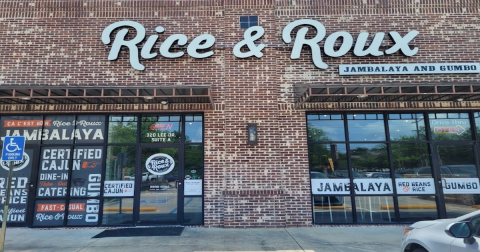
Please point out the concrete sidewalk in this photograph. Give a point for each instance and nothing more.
(308, 239)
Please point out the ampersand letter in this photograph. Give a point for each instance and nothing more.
(249, 38)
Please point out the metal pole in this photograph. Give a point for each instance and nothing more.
(5, 208)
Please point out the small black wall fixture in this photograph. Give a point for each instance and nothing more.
(252, 133)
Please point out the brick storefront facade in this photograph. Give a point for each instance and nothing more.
(57, 43)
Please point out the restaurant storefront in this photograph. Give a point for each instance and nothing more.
(91, 170)
(240, 114)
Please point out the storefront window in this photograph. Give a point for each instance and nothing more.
(117, 211)
(370, 158)
(411, 160)
(459, 175)
(406, 127)
(324, 128)
(59, 129)
(120, 162)
(328, 159)
(450, 126)
(194, 162)
(476, 115)
(366, 127)
(416, 208)
(87, 171)
(28, 126)
(193, 128)
(90, 129)
(53, 177)
(49, 213)
(193, 210)
(161, 129)
(423, 163)
(122, 129)
(332, 209)
(375, 209)
(73, 171)
(83, 212)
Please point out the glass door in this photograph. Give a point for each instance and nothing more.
(457, 173)
(161, 185)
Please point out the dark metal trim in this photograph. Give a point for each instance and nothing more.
(389, 93)
(106, 95)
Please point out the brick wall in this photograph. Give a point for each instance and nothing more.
(57, 43)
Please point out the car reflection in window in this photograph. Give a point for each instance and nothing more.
(450, 171)
(464, 171)
(325, 200)
(344, 174)
(385, 175)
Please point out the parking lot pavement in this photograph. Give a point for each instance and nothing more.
(308, 239)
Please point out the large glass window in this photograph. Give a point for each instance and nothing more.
(76, 156)
(459, 175)
(58, 129)
(90, 129)
(30, 126)
(369, 158)
(450, 126)
(411, 160)
(416, 208)
(366, 127)
(117, 211)
(375, 209)
(161, 129)
(120, 162)
(53, 172)
(406, 127)
(193, 211)
(86, 179)
(387, 158)
(325, 128)
(193, 128)
(194, 162)
(328, 159)
(476, 115)
(122, 129)
(49, 213)
(332, 209)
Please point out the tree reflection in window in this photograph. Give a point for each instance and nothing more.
(122, 129)
(330, 159)
(369, 157)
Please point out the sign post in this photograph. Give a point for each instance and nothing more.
(13, 148)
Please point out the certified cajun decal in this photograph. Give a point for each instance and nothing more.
(159, 164)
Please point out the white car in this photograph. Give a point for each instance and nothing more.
(146, 177)
(460, 234)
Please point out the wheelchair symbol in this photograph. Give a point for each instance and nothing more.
(12, 147)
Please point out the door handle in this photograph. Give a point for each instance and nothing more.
(443, 184)
(28, 186)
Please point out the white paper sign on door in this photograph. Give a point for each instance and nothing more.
(192, 187)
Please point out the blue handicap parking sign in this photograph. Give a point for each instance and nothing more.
(13, 148)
